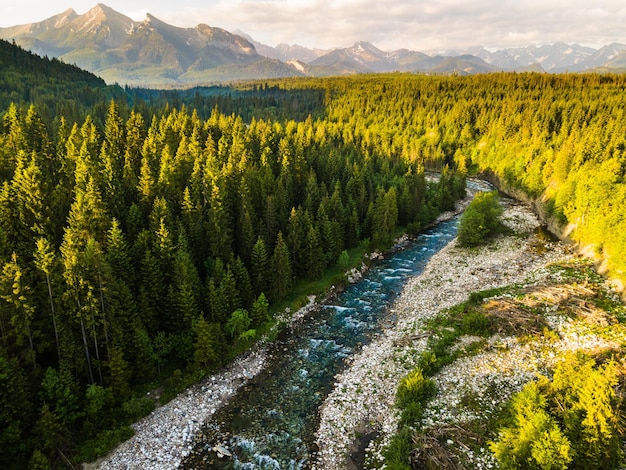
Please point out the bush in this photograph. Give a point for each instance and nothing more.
(535, 440)
(415, 388)
(481, 220)
(138, 407)
(571, 422)
(476, 323)
(411, 415)
(344, 260)
(428, 362)
(477, 297)
(397, 455)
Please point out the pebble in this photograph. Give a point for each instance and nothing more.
(165, 437)
(376, 370)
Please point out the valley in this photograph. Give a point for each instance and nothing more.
(156, 245)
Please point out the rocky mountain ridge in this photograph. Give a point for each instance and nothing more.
(154, 53)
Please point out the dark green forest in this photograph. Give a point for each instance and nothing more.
(139, 243)
(147, 236)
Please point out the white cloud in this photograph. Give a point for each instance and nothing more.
(423, 25)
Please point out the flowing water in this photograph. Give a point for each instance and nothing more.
(270, 423)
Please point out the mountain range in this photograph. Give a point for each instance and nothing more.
(154, 53)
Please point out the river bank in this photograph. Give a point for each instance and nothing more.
(362, 400)
(166, 437)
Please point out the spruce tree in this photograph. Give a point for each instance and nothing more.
(281, 274)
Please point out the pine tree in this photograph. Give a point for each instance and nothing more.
(14, 141)
(384, 218)
(206, 346)
(135, 134)
(260, 267)
(59, 392)
(120, 374)
(16, 294)
(15, 410)
(217, 305)
(153, 305)
(146, 185)
(37, 137)
(315, 256)
(260, 312)
(86, 222)
(187, 286)
(242, 280)
(219, 226)
(141, 354)
(281, 275)
(229, 291)
(31, 207)
(52, 433)
(8, 221)
(45, 261)
(297, 230)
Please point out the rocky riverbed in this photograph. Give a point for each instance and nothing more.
(164, 438)
(362, 401)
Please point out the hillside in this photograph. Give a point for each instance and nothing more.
(121, 50)
(53, 86)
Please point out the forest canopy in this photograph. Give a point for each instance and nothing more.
(153, 231)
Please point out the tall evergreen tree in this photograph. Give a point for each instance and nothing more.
(16, 292)
(45, 261)
(281, 279)
(260, 267)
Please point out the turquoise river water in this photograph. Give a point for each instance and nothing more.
(270, 423)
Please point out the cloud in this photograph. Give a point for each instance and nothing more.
(418, 25)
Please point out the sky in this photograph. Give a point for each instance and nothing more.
(424, 25)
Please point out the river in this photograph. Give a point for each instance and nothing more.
(270, 423)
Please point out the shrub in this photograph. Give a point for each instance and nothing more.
(481, 220)
(476, 323)
(428, 362)
(414, 388)
(397, 455)
(103, 443)
(570, 422)
(535, 440)
(137, 407)
(344, 260)
(411, 415)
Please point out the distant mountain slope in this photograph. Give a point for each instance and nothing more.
(364, 57)
(154, 53)
(554, 58)
(147, 52)
(284, 52)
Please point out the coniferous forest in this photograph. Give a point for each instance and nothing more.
(146, 236)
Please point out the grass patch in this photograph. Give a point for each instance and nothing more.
(334, 276)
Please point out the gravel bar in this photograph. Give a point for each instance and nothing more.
(363, 398)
